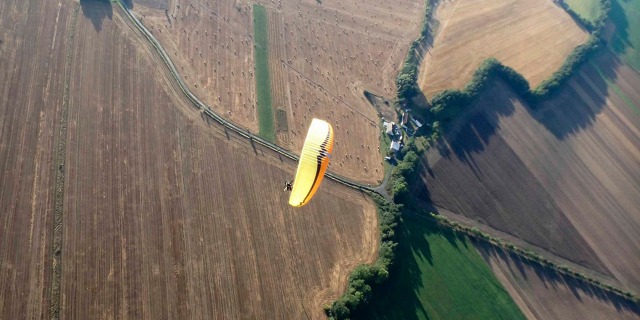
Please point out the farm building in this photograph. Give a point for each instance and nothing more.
(389, 128)
(395, 146)
(405, 117)
(416, 122)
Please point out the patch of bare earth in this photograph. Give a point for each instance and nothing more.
(169, 216)
(532, 36)
(33, 39)
(563, 177)
(323, 55)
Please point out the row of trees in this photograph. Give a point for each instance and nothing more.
(448, 104)
(407, 79)
(403, 174)
(475, 233)
(366, 277)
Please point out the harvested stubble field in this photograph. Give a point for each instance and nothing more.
(531, 36)
(322, 57)
(167, 216)
(564, 178)
(211, 44)
(32, 63)
(542, 293)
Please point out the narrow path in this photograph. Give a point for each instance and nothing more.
(59, 166)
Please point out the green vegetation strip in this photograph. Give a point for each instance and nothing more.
(585, 9)
(440, 275)
(263, 80)
(533, 257)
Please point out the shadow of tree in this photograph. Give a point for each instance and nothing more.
(413, 249)
(572, 110)
(620, 41)
(552, 280)
(97, 11)
(421, 263)
(466, 180)
(581, 100)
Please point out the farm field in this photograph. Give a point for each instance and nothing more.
(32, 59)
(587, 9)
(563, 177)
(440, 275)
(531, 36)
(164, 215)
(322, 57)
(167, 216)
(544, 294)
(211, 44)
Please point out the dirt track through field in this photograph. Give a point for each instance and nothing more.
(33, 37)
(532, 36)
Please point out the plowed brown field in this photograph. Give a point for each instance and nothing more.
(531, 36)
(323, 55)
(564, 177)
(542, 293)
(32, 62)
(166, 216)
(169, 218)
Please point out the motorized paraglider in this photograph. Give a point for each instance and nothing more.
(313, 163)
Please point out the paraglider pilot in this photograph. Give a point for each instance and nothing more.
(288, 185)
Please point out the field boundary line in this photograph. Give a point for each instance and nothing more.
(59, 168)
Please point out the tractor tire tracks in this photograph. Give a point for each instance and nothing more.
(59, 168)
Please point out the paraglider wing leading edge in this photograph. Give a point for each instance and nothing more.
(314, 160)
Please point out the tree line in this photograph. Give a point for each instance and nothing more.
(445, 106)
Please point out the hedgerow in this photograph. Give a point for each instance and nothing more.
(366, 277)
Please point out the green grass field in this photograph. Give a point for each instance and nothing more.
(439, 275)
(263, 82)
(587, 9)
(625, 15)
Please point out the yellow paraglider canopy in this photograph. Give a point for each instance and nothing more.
(313, 163)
